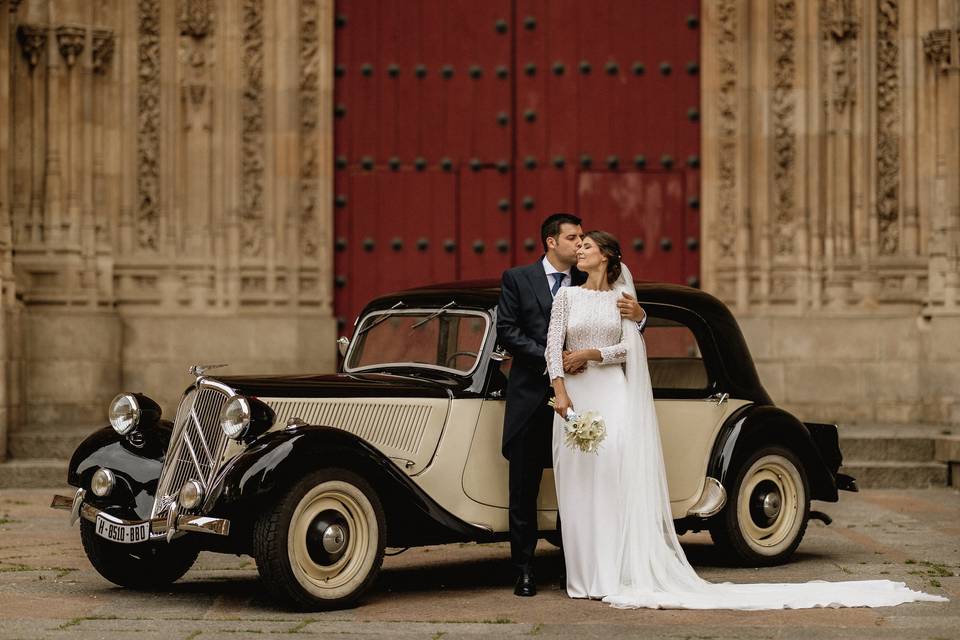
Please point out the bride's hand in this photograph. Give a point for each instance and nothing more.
(561, 403)
(575, 361)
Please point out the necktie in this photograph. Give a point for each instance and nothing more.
(557, 281)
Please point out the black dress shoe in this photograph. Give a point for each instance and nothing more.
(526, 585)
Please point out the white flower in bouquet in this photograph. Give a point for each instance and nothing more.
(583, 431)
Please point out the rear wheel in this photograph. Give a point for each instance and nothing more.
(766, 517)
(322, 546)
(139, 566)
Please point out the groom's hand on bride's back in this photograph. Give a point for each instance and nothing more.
(630, 308)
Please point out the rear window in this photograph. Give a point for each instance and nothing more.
(673, 355)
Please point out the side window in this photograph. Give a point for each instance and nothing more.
(673, 355)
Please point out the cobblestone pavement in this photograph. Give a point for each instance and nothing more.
(49, 590)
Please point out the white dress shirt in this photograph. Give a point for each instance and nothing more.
(549, 269)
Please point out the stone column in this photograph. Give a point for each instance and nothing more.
(5, 157)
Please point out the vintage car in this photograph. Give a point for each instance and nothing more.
(315, 475)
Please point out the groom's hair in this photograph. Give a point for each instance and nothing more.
(551, 226)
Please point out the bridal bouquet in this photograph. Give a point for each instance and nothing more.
(584, 432)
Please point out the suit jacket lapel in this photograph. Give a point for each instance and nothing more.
(538, 280)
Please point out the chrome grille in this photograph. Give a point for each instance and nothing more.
(196, 445)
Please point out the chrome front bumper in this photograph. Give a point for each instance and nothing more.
(166, 527)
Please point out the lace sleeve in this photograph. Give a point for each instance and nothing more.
(614, 354)
(556, 334)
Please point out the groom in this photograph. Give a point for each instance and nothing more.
(523, 316)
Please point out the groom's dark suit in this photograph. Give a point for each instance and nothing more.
(523, 316)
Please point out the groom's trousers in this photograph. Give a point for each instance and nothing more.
(528, 454)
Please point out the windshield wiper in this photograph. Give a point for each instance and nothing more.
(436, 313)
(380, 319)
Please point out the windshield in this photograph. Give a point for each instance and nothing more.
(446, 339)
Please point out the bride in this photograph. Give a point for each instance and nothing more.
(619, 541)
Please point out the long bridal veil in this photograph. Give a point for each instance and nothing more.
(654, 572)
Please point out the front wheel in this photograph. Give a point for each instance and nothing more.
(322, 546)
(767, 515)
(150, 565)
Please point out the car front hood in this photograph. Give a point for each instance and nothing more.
(344, 385)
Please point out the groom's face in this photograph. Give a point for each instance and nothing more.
(567, 243)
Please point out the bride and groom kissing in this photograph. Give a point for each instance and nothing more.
(572, 322)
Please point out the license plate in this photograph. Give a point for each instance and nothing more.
(123, 533)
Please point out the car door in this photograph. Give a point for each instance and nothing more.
(690, 411)
(486, 473)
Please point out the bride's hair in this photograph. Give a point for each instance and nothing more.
(610, 247)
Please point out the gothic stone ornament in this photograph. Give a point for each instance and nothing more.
(784, 141)
(888, 126)
(148, 130)
(726, 221)
(70, 40)
(33, 42)
(309, 107)
(103, 44)
(196, 18)
(252, 133)
(840, 28)
(936, 47)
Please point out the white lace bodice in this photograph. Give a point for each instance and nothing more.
(584, 319)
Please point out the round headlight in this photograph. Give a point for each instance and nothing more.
(124, 413)
(102, 482)
(235, 417)
(191, 494)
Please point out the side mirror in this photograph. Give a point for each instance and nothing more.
(343, 343)
(500, 354)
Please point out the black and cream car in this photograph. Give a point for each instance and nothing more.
(315, 475)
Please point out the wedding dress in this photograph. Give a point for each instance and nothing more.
(619, 541)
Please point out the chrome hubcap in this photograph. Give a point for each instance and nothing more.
(328, 535)
(771, 505)
(334, 539)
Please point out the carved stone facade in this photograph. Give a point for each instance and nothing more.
(832, 147)
(158, 203)
(165, 197)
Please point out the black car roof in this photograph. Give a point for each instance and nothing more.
(483, 294)
(738, 370)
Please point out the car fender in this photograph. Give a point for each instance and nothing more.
(257, 478)
(135, 460)
(753, 426)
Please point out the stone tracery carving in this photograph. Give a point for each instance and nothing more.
(888, 125)
(309, 105)
(33, 42)
(70, 41)
(252, 135)
(196, 18)
(840, 28)
(103, 45)
(726, 229)
(784, 141)
(148, 128)
(936, 47)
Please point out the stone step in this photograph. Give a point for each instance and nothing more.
(888, 449)
(47, 443)
(33, 473)
(896, 475)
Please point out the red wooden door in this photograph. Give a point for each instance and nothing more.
(461, 125)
